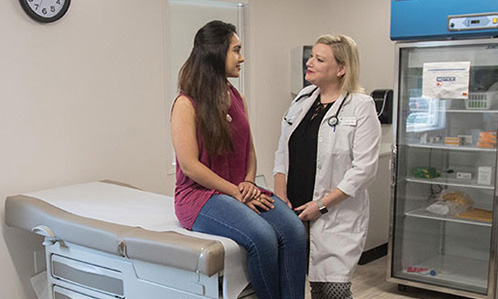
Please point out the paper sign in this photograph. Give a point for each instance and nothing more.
(446, 80)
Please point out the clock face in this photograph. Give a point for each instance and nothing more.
(45, 10)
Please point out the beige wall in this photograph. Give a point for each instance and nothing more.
(84, 99)
(276, 26)
(81, 100)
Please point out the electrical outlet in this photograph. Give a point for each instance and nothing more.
(39, 260)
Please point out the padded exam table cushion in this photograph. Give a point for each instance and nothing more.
(167, 248)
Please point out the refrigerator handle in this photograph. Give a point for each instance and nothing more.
(392, 166)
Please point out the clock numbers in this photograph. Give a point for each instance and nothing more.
(46, 8)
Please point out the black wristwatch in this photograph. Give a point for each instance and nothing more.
(321, 207)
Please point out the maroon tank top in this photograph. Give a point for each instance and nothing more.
(190, 197)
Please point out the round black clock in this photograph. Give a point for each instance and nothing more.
(45, 11)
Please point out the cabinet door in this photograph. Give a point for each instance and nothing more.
(446, 163)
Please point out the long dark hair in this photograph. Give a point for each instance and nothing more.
(203, 78)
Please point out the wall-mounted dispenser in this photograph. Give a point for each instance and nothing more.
(299, 56)
(383, 99)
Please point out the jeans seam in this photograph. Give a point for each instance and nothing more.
(250, 240)
(287, 276)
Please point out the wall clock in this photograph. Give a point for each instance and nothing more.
(45, 11)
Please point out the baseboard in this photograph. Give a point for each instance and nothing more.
(373, 254)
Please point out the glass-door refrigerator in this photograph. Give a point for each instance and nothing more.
(443, 233)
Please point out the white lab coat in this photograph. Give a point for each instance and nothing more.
(346, 159)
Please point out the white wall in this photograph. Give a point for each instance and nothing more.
(84, 99)
(81, 100)
(276, 26)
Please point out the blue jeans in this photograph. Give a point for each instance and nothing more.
(275, 242)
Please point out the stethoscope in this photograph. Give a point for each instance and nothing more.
(333, 121)
(306, 95)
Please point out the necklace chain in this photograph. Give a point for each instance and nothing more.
(319, 108)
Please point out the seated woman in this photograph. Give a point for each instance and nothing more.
(216, 166)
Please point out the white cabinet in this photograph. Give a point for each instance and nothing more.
(380, 198)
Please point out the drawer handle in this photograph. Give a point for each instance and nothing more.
(87, 268)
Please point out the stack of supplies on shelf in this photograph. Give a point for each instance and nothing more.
(451, 203)
(425, 172)
(421, 270)
(487, 139)
(454, 141)
(477, 214)
(481, 100)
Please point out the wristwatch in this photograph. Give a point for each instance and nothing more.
(321, 207)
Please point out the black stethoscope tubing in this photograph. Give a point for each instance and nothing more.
(306, 95)
(333, 121)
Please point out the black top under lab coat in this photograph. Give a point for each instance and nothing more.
(303, 145)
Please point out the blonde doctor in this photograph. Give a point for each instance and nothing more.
(326, 158)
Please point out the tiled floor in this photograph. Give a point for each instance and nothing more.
(369, 282)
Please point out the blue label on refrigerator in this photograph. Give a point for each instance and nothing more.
(440, 19)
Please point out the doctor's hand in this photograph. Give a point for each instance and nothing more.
(285, 199)
(263, 202)
(309, 211)
(249, 191)
(287, 202)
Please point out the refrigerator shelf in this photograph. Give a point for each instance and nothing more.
(450, 182)
(460, 272)
(469, 111)
(422, 213)
(457, 110)
(453, 148)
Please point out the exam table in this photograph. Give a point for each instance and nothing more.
(108, 240)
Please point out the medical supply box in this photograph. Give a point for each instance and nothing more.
(443, 19)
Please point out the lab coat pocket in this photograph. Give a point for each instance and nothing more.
(351, 216)
(341, 138)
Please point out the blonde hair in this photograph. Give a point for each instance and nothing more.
(345, 53)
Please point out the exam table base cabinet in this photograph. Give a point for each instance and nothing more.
(79, 272)
(439, 147)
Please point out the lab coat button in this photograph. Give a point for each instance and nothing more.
(316, 194)
(320, 139)
(319, 166)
